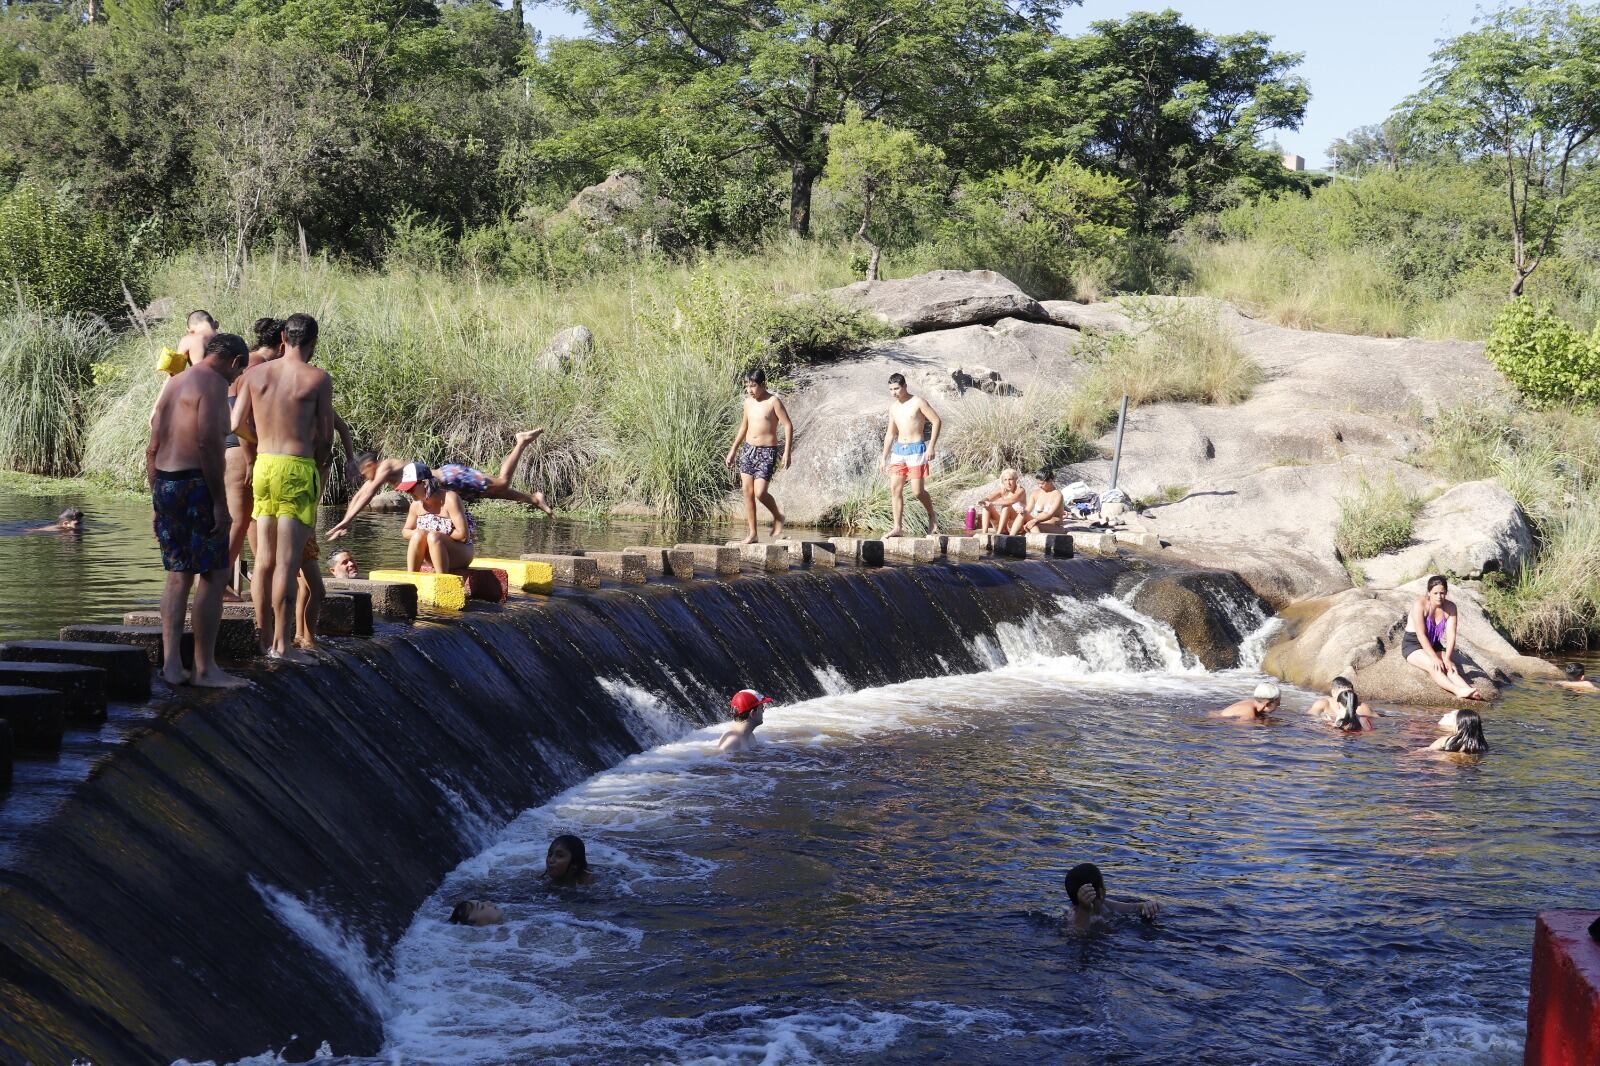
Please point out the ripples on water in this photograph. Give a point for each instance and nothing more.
(879, 881)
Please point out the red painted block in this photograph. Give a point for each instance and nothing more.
(491, 585)
(1564, 992)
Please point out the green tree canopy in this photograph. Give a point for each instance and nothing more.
(881, 174)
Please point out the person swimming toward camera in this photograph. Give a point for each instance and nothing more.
(1091, 908)
(1265, 701)
(566, 863)
(747, 707)
(70, 521)
(1342, 707)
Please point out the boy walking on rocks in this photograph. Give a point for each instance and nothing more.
(911, 439)
(756, 443)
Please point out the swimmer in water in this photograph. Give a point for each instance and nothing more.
(1266, 700)
(1329, 703)
(342, 564)
(1346, 715)
(747, 707)
(1576, 680)
(477, 912)
(1466, 736)
(567, 863)
(71, 521)
(1086, 888)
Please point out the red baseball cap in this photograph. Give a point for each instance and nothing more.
(746, 700)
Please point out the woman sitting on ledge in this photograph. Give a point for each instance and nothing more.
(1433, 615)
(437, 525)
(1001, 510)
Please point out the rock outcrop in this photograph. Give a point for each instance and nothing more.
(941, 299)
(1357, 634)
(1474, 529)
(1210, 611)
(605, 203)
(571, 345)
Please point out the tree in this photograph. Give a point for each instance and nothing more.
(1523, 89)
(1390, 144)
(778, 75)
(883, 173)
(1171, 109)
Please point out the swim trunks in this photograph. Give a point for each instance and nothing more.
(910, 460)
(758, 460)
(186, 524)
(463, 480)
(286, 486)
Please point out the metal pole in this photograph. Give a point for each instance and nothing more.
(1122, 424)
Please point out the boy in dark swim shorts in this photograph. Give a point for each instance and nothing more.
(758, 460)
(756, 445)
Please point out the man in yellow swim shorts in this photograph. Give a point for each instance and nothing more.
(285, 413)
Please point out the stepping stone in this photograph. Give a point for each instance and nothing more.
(965, 549)
(1058, 544)
(483, 583)
(435, 590)
(718, 558)
(360, 610)
(522, 574)
(337, 617)
(146, 638)
(766, 557)
(858, 551)
(812, 553)
(911, 549)
(7, 753)
(390, 599)
(1137, 539)
(625, 566)
(82, 688)
(236, 635)
(1095, 543)
(677, 562)
(34, 715)
(573, 571)
(127, 669)
(1008, 544)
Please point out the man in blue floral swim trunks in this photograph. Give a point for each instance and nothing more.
(756, 444)
(184, 467)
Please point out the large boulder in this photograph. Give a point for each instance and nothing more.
(1474, 529)
(941, 299)
(1101, 317)
(1357, 634)
(1210, 611)
(605, 203)
(572, 345)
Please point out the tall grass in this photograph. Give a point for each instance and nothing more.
(1341, 291)
(45, 365)
(1556, 603)
(991, 433)
(866, 508)
(1374, 519)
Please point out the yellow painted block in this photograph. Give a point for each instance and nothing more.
(523, 574)
(436, 590)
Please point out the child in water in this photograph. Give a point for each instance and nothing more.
(567, 863)
(1086, 888)
(1467, 736)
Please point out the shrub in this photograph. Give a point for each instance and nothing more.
(45, 371)
(1556, 602)
(802, 331)
(66, 259)
(866, 508)
(1544, 357)
(1375, 519)
(991, 433)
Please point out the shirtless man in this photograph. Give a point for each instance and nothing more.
(912, 444)
(747, 715)
(183, 467)
(472, 485)
(758, 459)
(1045, 506)
(1576, 680)
(71, 521)
(285, 411)
(202, 327)
(1266, 700)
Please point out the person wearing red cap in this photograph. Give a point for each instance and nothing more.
(747, 707)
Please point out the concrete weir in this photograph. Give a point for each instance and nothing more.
(355, 784)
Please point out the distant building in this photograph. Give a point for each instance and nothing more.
(1293, 162)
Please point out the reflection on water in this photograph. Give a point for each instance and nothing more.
(114, 566)
(879, 882)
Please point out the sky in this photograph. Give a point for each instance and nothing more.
(1362, 57)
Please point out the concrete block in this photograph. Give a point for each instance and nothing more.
(236, 634)
(1142, 541)
(1564, 992)
(718, 558)
(1006, 544)
(571, 570)
(360, 611)
(338, 615)
(965, 549)
(624, 566)
(911, 549)
(435, 590)
(767, 557)
(483, 583)
(1095, 543)
(127, 669)
(676, 562)
(7, 753)
(858, 552)
(34, 715)
(523, 574)
(1058, 544)
(814, 553)
(147, 639)
(390, 599)
(82, 688)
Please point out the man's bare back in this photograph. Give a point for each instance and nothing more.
(191, 416)
(290, 402)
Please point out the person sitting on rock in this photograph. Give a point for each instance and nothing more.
(747, 707)
(1001, 510)
(476, 912)
(1466, 735)
(1433, 615)
(1046, 507)
(1086, 889)
(1330, 709)
(1266, 700)
(342, 564)
(1576, 681)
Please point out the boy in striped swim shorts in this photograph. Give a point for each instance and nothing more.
(908, 450)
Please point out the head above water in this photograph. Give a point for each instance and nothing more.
(342, 564)
(71, 518)
(1082, 875)
(566, 860)
(476, 912)
(1347, 716)
(1269, 694)
(747, 702)
(1468, 737)
(1341, 684)
(300, 331)
(1574, 671)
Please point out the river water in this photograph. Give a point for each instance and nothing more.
(880, 880)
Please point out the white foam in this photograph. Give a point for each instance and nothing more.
(647, 716)
(323, 932)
